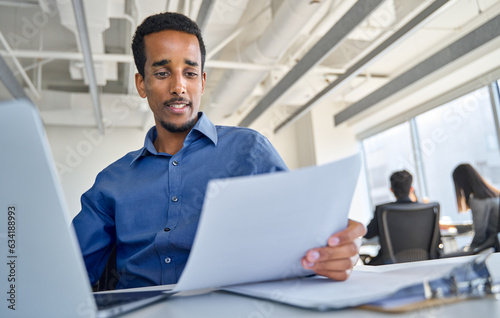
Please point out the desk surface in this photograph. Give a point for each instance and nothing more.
(222, 304)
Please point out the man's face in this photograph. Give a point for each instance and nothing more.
(173, 80)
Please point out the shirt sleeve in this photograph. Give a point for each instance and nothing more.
(94, 227)
(264, 158)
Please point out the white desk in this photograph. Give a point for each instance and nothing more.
(227, 305)
(224, 304)
(455, 235)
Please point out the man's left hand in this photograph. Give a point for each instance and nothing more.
(337, 259)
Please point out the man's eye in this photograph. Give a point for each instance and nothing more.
(191, 74)
(161, 74)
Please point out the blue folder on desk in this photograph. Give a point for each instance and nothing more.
(397, 287)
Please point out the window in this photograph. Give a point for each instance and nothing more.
(385, 153)
(462, 131)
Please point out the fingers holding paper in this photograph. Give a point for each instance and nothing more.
(337, 259)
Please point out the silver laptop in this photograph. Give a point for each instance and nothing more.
(42, 273)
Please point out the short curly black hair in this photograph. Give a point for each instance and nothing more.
(161, 22)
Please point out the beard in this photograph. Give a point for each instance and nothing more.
(178, 128)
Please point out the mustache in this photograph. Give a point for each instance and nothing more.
(175, 100)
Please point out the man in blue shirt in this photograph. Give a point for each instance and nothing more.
(148, 203)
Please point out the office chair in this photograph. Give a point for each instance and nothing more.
(109, 278)
(497, 242)
(490, 244)
(409, 232)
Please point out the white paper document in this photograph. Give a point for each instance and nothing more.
(258, 228)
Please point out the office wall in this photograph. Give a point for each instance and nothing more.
(336, 142)
(287, 146)
(80, 153)
(306, 147)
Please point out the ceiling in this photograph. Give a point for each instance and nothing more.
(273, 59)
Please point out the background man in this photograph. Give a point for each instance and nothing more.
(401, 186)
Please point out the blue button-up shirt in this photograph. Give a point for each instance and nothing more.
(149, 203)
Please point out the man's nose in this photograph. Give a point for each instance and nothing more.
(178, 85)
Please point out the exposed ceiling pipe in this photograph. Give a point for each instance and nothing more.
(267, 49)
(89, 64)
(127, 58)
(203, 14)
(35, 65)
(219, 24)
(97, 22)
(10, 82)
(131, 66)
(18, 4)
(223, 44)
(331, 40)
(228, 38)
(18, 65)
(64, 55)
(145, 8)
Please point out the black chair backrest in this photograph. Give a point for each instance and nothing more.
(409, 232)
(110, 277)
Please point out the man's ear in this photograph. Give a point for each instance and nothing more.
(139, 85)
(203, 81)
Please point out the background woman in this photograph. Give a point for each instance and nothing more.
(474, 193)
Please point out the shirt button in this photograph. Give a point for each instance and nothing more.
(174, 199)
(168, 260)
(167, 229)
(175, 163)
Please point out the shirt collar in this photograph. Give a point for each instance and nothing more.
(404, 200)
(203, 126)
